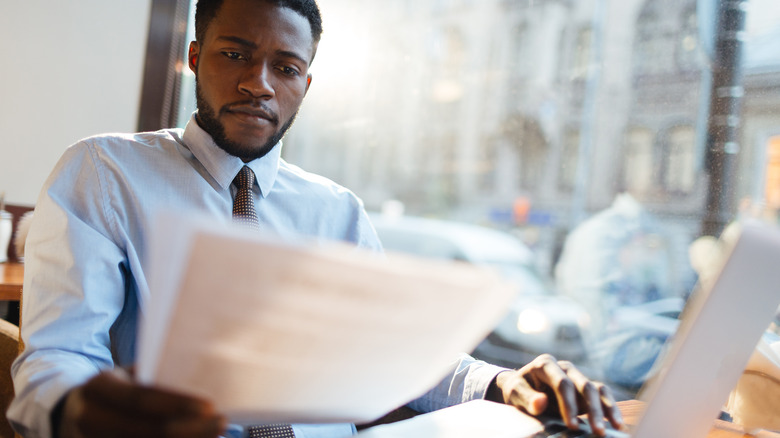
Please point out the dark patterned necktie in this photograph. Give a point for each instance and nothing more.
(278, 430)
(244, 214)
(243, 204)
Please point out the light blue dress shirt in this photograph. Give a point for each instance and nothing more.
(86, 258)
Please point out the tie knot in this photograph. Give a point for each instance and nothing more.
(245, 178)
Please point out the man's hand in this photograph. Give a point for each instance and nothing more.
(110, 405)
(535, 386)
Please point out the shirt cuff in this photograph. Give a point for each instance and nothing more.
(479, 380)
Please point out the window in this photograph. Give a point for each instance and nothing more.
(518, 63)
(639, 167)
(688, 43)
(475, 111)
(666, 165)
(679, 174)
(567, 172)
(582, 54)
(654, 40)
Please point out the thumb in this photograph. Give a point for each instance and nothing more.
(519, 393)
(536, 403)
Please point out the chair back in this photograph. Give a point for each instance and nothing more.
(17, 211)
(9, 349)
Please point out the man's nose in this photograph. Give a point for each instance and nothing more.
(257, 82)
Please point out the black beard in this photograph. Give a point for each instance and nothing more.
(207, 119)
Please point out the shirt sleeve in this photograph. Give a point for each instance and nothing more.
(367, 237)
(74, 290)
(468, 380)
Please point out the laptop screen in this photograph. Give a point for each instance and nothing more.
(720, 327)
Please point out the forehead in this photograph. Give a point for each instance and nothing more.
(263, 23)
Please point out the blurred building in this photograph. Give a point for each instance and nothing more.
(529, 112)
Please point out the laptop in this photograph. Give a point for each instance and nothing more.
(720, 328)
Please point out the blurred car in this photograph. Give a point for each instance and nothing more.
(539, 320)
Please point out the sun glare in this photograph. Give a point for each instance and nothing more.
(343, 58)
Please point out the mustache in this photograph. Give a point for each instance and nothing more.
(254, 108)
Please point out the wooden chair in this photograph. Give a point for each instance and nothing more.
(10, 342)
(9, 349)
(13, 309)
(16, 211)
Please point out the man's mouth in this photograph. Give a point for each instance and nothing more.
(252, 112)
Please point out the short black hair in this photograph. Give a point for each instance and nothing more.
(206, 10)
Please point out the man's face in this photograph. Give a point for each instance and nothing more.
(252, 72)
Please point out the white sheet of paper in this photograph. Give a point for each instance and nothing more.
(271, 331)
(478, 418)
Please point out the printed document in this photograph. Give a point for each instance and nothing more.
(477, 418)
(303, 332)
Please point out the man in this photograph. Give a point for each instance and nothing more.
(86, 260)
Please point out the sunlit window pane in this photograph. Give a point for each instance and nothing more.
(575, 131)
(680, 167)
(639, 166)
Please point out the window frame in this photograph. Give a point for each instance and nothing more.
(161, 86)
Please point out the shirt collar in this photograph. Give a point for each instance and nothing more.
(224, 167)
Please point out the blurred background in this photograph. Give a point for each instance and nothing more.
(579, 146)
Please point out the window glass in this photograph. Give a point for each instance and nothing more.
(657, 38)
(576, 130)
(582, 54)
(688, 40)
(639, 167)
(680, 166)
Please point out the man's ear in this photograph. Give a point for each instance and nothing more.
(192, 56)
(308, 83)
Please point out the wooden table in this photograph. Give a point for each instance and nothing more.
(632, 410)
(11, 279)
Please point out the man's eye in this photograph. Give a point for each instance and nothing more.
(289, 71)
(233, 55)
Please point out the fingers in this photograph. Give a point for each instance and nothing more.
(546, 372)
(109, 405)
(611, 410)
(121, 394)
(572, 391)
(102, 421)
(517, 391)
(590, 393)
